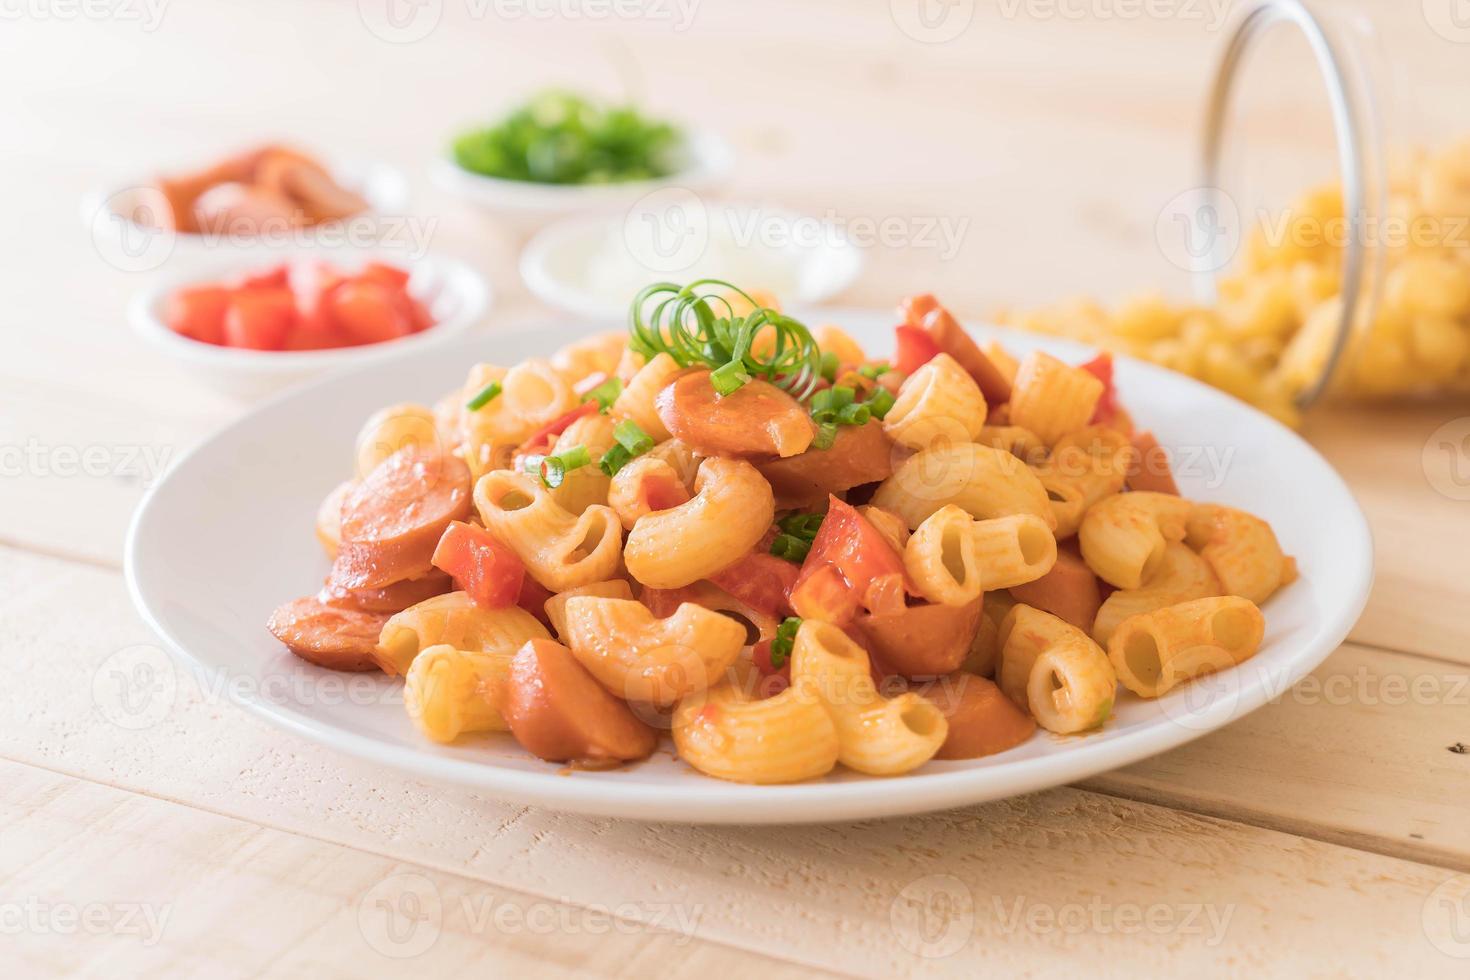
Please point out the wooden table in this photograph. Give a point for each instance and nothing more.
(1323, 835)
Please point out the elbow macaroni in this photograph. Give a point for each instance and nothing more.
(726, 733)
(561, 550)
(1055, 671)
(937, 405)
(1155, 651)
(1241, 549)
(985, 482)
(1180, 577)
(1124, 537)
(732, 509)
(1052, 398)
(451, 692)
(953, 558)
(876, 735)
(453, 620)
(653, 661)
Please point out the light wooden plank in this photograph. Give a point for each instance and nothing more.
(100, 882)
(809, 891)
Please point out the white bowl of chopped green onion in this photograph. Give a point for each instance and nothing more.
(560, 154)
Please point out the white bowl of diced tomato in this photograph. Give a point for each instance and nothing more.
(257, 323)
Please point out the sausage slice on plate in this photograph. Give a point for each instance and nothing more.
(328, 636)
(393, 519)
(558, 711)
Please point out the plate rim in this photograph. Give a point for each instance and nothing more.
(715, 801)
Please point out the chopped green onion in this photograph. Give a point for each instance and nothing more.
(632, 437)
(805, 525)
(605, 394)
(854, 415)
(791, 548)
(830, 365)
(730, 378)
(874, 371)
(615, 459)
(784, 641)
(486, 394)
(553, 469)
(826, 435)
(631, 441)
(880, 402)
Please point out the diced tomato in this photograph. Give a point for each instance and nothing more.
(761, 581)
(533, 599)
(913, 348)
(368, 312)
(484, 568)
(260, 319)
(389, 275)
(846, 557)
(663, 603)
(1101, 367)
(198, 312)
(273, 278)
(540, 441)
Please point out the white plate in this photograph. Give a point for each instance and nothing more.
(591, 266)
(250, 494)
(454, 294)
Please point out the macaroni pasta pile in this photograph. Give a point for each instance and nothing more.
(1269, 336)
(788, 554)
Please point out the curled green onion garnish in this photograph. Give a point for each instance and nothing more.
(483, 398)
(553, 469)
(784, 641)
(702, 329)
(605, 394)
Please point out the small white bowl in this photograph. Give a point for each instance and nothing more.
(455, 295)
(705, 161)
(593, 266)
(134, 247)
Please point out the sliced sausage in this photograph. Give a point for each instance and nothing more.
(925, 640)
(328, 636)
(860, 454)
(391, 598)
(559, 712)
(394, 518)
(757, 419)
(982, 720)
